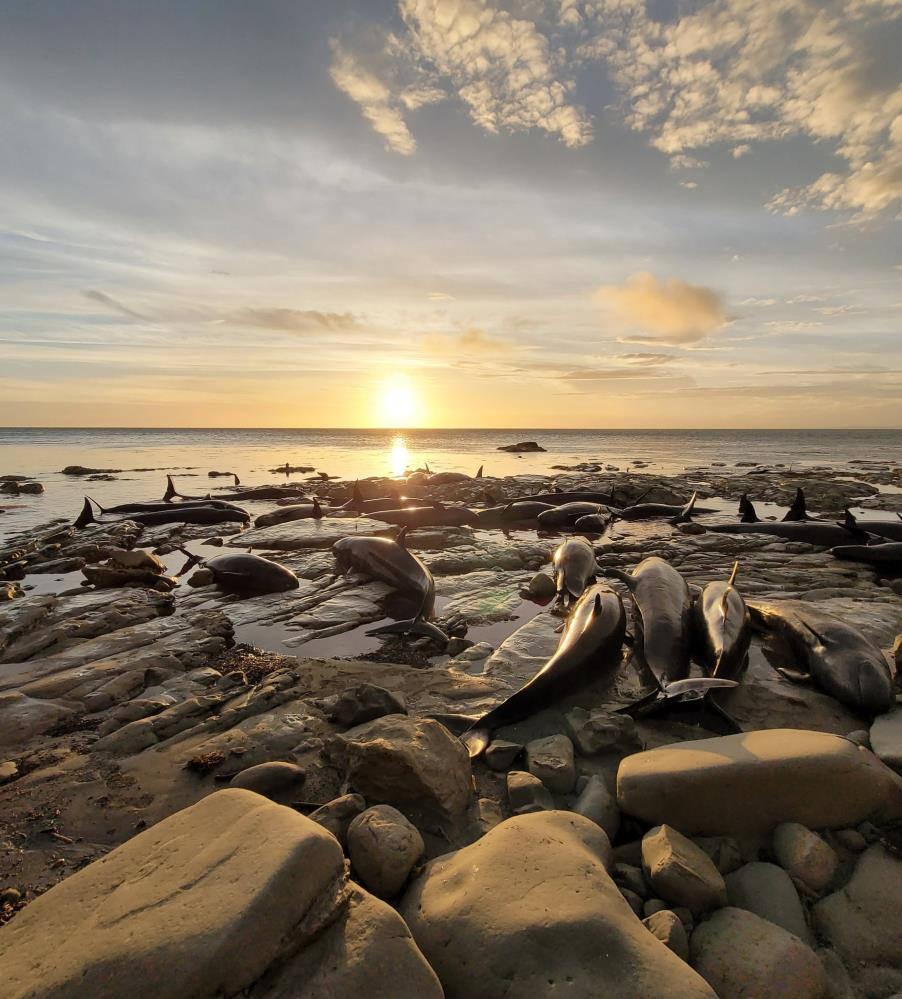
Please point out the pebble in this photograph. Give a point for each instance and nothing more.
(542, 586)
(500, 754)
(806, 857)
(338, 814)
(597, 803)
(681, 872)
(668, 928)
(10, 896)
(551, 760)
(527, 793)
(384, 846)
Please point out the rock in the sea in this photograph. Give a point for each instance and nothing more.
(886, 738)
(415, 764)
(364, 703)
(521, 447)
(743, 956)
(602, 731)
(368, 951)
(681, 872)
(530, 911)
(526, 793)
(384, 846)
(551, 760)
(750, 783)
(863, 920)
(201, 904)
(768, 891)
(338, 814)
(278, 781)
(500, 754)
(541, 586)
(805, 856)
(597, 803)
(668, 928)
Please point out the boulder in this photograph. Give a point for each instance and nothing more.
(863, 920)
(338, 814)
(363, 703)
(367, 951)
(526, 793)
(669, 929)
(415, 764)
(768, 891)
(278, 781)
(597, 803)
(22, 717)
(201, 904)
(681, 872)
(751, 782)
(384, 847)
(530, 911)
(743, 956)
(551, 760)
(541, 586)
(805, 856)
(886, 738)
(602, 731)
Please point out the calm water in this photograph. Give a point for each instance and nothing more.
(42, 453)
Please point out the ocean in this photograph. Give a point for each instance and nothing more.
(144, 456)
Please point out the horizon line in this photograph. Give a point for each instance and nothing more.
(398, 430)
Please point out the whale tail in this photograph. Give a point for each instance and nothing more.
(686, 513)
(86, 516)
(689, 699)
(748, 513)
(798, 510)
(191, 561)
(476, 740)
(171, 491)
(237, 480)
(412, 626)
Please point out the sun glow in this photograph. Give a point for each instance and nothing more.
(399, 458)
(399, 405)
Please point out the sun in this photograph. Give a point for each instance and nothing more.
(398, 402)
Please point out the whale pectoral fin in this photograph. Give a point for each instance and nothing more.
(624, 577)
(794, 676)
(693, 685)
(476, 740)
(640, 706)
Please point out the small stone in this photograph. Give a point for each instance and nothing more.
(681, 872)
(654, 905)
(384, 846)
(723, 850)
(851, 840)
(806, 857)
(338, 814)
(668, 928)
(500, 754)
(458, 645)
(488, 815)
(137, 558)
(527, 793)
(860, 737)
(8, 771)
(634, 900)
(364, 703)
(690, 528)
(277, 781)
(541, 586)
(768, 891)
(201, 577)
(10, 896)
(839, 985)
(886, 738)
(742, 955)
(602, 732)
(597, 803)
(551, 760)
(627, 876)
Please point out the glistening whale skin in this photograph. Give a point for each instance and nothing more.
(389, 560)
(435, 515)
(175, 513)
(567, 514)
(884, 556)
(574, 568)
(285, 514)
(589, 648)
(245, 573)
(836, 656)
(651, 511)
(811, 532)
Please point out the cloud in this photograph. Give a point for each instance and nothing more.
(644, 358)
(292, 320)
(730, 72)
(111, 303)
(670, 311)
(471, 341)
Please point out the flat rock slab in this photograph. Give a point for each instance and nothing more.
(199, 905)
(298, 535)
(750, 783)
(530, 911)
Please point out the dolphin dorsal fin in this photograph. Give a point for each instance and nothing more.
(170, 490)
(317, 509)
(479, 471)
(596, 608)
(402, 537)
(798, 510)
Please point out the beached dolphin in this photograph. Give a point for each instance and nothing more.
(434, 515)
(567, 514)
(512, 513)
(594, 523)
(447, 478)
(176, 513)
(748, 513)
(574, 568)
(360, 505)
(884, 556)
(389, 560)
(663, 635)
(589, 648)
(244, 573)
(285, 514)
(891, 529)
(810, 532)
(836, 656)
(557, 498)
(651, 511)
(798, 510)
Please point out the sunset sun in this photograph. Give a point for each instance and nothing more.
(399, 405)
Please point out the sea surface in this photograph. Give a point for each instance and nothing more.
(145, 456)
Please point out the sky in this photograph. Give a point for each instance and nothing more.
(451, 213)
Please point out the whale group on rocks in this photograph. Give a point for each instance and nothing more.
(593, 732)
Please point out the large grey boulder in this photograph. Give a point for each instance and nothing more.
(384, 846)
(530, 912)
(751, 782)
(863, 920)
(768, 891)
(198, 905)
(743, 956)
(414, 764)
(681, 872)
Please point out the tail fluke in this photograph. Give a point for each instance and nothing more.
(171, 492)
(476, 740)
(798, 510)
(686, 513)
(412, 626)
(86, 516)
(237, 480)
(691, 700)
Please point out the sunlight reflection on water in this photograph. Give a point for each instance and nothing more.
(399, 456)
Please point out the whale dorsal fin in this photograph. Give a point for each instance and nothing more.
(402, 537)
(317, 509)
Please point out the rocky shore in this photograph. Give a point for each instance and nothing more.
(187, 812)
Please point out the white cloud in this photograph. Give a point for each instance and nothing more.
(669, 311)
